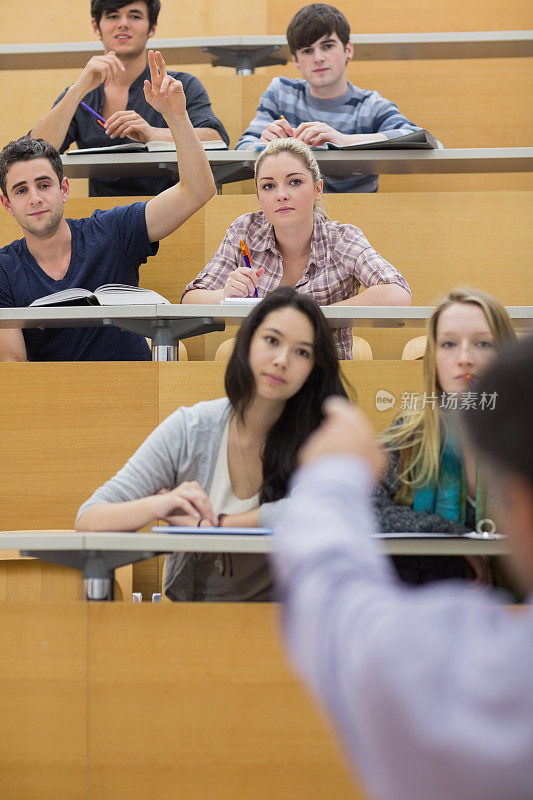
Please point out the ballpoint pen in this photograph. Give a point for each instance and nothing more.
(247, 260)
(100, 119)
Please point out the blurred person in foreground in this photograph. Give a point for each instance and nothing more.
(431, 688)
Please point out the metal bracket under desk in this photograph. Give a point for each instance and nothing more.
(245, 60)
(166, 333)
(230, 173)
(97, 567)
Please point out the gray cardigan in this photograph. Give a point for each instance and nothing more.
(184, 447)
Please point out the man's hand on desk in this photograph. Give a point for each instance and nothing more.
(129, 123)
(345, 430)
(318, 133)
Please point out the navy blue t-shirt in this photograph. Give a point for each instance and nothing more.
(86, 132)
(107, 247)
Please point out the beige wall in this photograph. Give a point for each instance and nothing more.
(62, 20)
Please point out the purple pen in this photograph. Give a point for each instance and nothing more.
(100, 119)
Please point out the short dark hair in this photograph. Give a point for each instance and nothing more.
(503, 430)
(302, 412)
(99, 6)
(27, 149)
(314, 21)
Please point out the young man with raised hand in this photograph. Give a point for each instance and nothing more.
(323, 106)
(431, 688)
(112, 85)
(108, 247)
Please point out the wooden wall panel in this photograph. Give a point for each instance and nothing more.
(231, 721)
(65, 428)
(184, 384)
(43, 702)
(39, 23)
(24, 578)
(414, 16)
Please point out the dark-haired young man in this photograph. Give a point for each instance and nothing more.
(112, 85)
(108, 247)
(323, 106)
(431, 688)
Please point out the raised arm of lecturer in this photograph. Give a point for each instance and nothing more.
(167, 211)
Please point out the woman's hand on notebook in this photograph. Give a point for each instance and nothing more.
(185, 505)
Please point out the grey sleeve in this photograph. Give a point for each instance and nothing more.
(152, 467)
(269, 512)
(394, 518)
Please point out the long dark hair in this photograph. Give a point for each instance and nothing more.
(302, 412)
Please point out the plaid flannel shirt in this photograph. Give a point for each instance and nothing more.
(342, 261)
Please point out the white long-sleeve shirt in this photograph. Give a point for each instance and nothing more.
(431, 688)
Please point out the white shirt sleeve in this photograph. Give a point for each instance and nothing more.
(431, 689)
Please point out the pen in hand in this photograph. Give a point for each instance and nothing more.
(248, 260)
(100, 120)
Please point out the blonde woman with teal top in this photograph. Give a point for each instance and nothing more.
(432, 482)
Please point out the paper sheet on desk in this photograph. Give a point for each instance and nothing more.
(240, 301)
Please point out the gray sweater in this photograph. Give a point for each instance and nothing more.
(184, 447)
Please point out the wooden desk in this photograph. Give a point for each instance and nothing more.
(97, 555)
(237, 165)
(246, 53)
(165, 325)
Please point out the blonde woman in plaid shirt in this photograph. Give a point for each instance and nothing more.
(293, 243)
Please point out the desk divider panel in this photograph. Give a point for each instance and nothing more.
(65, 429)
(196, 701)
(134, 701)
(43, 702)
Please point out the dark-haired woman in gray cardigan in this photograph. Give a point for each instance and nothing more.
(228, 461)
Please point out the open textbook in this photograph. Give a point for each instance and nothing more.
(416, 140)
(111, 294)
(149, 147)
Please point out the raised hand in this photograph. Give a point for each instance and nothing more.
(129, 123)
(100, 69)
(162, 91)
